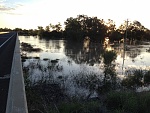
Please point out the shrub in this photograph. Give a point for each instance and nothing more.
(82, 107)
(115, 100)
(109, 56)
(118, 111)
(147, 77)
(144, 102)
(134, 80)
(126, 101)
(131, 104)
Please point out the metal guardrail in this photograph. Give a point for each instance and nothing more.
(16, 101)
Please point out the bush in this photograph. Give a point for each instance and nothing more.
(115, 100)
(118, 111)
(134, 80)
(147, 77)
(82, 107)
(131, 104)
(109, 56)
(124, 101)
(144, 102)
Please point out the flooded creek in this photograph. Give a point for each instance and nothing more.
(67, 62)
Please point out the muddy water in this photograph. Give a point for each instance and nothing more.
(61, 58)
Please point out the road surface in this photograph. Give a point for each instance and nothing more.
(7, 44)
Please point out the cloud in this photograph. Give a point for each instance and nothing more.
(5, 8)
(19, 5)
(1, 1)
(9, 9)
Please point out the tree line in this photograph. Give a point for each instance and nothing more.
(81, 26)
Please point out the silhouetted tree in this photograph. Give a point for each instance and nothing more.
(78, 28)
(40, 30)
(73, 29)
(47, 28)
(135, 30)
(111, 27)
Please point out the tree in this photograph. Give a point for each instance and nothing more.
(56, 27)
(139, 29)
(115, 36)
(73, 29)
(40, 30)
(111, 27)
(113, 33)
(109, 80)
(122, 29)
(47, 28)
(95, 29)
(135, 30)
(82, 26)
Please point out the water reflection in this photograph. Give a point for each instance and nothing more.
(87, 53)
(68, 62)
(86, 44)
(84, 53)
(73, 55)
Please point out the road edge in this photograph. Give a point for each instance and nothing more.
(16, 101)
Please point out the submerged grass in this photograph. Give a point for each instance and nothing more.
(52, 99)
(47, 95)
(44, 97)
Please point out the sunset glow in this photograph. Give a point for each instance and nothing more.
(29, 14)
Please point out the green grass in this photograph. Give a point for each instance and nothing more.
(79, 107)
(128, 102)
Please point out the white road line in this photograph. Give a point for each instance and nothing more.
(5, 77)
(7, 40)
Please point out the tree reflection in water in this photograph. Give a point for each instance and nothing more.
(86, 52)
(81, 57)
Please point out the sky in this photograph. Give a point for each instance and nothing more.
(29, 14)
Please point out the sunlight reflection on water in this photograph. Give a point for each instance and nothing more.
(76, 59)
(136, 57)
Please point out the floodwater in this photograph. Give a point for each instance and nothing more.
(85, 57)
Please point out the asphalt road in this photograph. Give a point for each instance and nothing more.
(7, 44)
